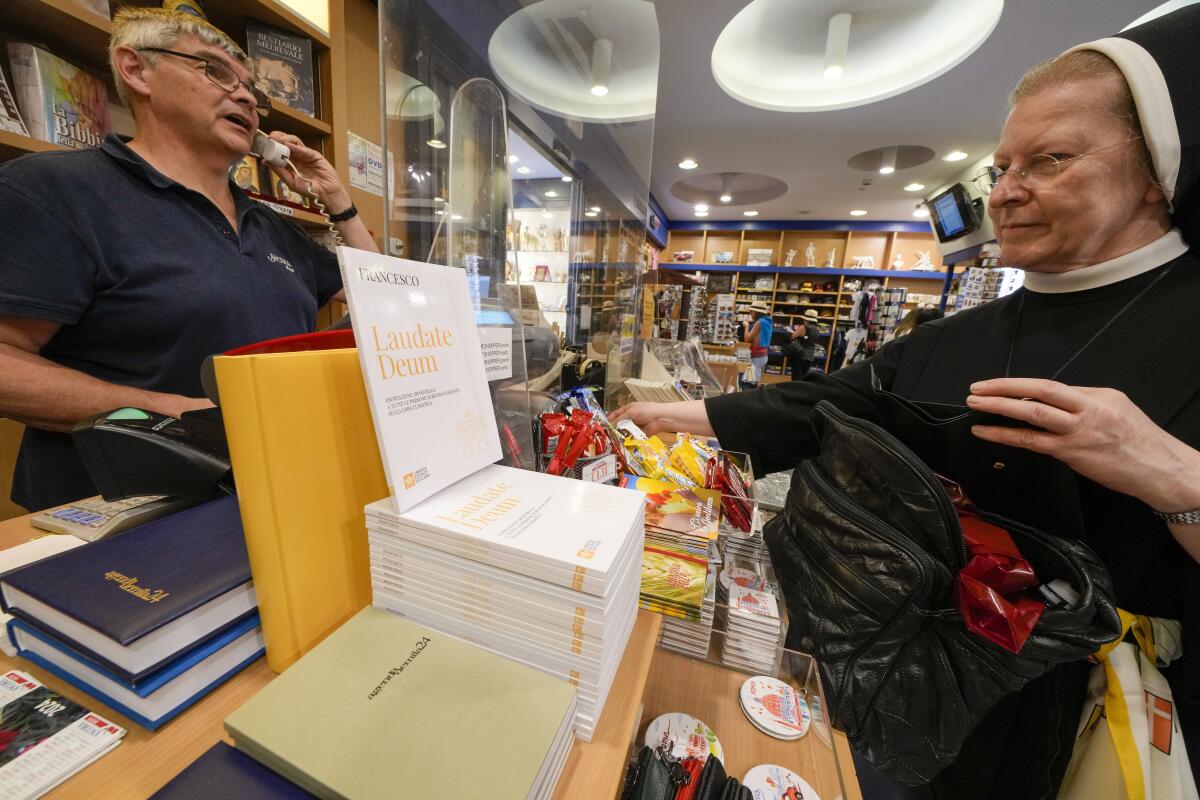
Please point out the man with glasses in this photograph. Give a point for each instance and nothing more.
(123, 267)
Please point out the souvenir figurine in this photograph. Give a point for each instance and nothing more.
(923, 260)
(831, 258)
(810, 255)
(790, 255)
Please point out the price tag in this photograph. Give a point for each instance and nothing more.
(603, 470)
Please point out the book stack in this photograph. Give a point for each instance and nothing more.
(541, 569)
(45, 737)
(753, 632)
(388, 708)
(692, 638)
(147, 622)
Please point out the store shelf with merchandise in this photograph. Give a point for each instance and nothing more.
(756, 256)
(79, 36)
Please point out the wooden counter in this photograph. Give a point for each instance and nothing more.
(145, 761)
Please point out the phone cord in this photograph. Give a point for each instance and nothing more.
(337, 237)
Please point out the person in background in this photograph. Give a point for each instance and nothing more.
(802, 349)
(917, 316)
(759, 338)
(1094, 190)
(122, 267)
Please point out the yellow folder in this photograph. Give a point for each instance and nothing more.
(306, 462)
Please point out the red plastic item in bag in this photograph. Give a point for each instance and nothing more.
(988, 587)
(691, 767)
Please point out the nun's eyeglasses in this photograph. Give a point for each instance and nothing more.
(1039, 169)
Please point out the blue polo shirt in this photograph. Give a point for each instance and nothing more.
(146, 277)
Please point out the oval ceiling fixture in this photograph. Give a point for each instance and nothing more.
(773, 54)
(897, 156)
(597, 62)
(743, 188)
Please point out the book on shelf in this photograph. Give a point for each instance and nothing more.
(164, 694)
(406, 700)
(423, 368)
(225, 772)
(283, 65)
(246, 172)
(655, 391)
(302, 497)
(45, 737)
(98, 7)
(59, 102)
(133, 602)
(10, 115)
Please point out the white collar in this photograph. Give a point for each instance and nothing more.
(1167, 247)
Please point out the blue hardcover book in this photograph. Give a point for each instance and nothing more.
(196, 675)
(136, 601)
(230, 775)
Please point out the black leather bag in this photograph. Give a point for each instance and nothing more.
(866, 550)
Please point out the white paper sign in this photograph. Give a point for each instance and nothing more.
(496, 345)
(423, 367)
(366, 165)
(603, 470)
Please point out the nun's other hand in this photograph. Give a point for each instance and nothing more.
(1099, 433)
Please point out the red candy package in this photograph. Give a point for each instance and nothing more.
(988, 587)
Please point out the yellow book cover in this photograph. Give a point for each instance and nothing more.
(306, 462)
(386, 708)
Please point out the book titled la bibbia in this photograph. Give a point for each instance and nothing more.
(131, 603)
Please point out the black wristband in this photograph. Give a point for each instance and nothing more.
(342, 216)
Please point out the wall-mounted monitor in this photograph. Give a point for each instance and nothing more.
(953, 213)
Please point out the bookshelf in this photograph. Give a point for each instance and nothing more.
(827, 294)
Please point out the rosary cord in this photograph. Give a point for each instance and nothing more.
(337, 237)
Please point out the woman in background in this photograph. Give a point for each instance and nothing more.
(759, 338)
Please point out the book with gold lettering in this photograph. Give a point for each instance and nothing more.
(419, 350)
(385, 707)
(136, 601)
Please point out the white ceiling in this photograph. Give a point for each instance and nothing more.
(962, 109)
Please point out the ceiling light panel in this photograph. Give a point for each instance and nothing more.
(774, 53)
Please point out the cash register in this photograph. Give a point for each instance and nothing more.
(145, 465)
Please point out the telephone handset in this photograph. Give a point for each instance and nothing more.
(277, 154)
(270, 151)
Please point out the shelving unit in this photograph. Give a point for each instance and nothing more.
(827, 294)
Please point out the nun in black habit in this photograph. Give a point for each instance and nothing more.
(1095, 360)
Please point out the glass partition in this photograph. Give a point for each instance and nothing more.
(578, 81)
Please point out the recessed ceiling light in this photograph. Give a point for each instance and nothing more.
(456, 217)
(601, 66)
(749, 213)
(523, 170)
(886, 170)
(595, 208)
(921, 212)
(599, 91)
(725, 198)
(701, 213)
(567, 179)
(701, 206)
(914, 187)
(590, 213)
(436, 144)
(837, 41)
(954, 155)
(688, 163)
(858, 212)
(833, 73)
(514, 159)
(551, 193)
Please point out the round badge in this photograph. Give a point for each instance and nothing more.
(686, 736)
(775, 707)
(772, 782)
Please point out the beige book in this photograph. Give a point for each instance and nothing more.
(386, 708)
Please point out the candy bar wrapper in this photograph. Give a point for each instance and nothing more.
(987, 613)
(575, 428)
(650, 459)
(994, 557)
(987, 587)
(552, 427)
(689, 456)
